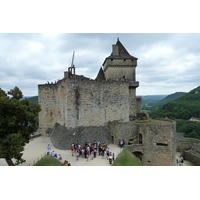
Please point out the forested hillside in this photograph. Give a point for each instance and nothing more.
(181, 110)
(189, 128)
(150, 105)
(33, 99)
(169, 98)
(184, 107)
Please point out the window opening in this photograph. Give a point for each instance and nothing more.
(161, 144)
(140, 138)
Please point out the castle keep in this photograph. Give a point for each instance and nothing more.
(78, 108)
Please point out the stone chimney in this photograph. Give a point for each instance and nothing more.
(115, 50)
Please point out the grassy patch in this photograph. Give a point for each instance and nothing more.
(143, 121)
(188, 163)
(126, 158)
(48, 161)
(190, 140)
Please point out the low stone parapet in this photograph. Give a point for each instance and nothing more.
(134, 147)
(192, 156)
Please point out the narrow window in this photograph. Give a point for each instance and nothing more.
(140, 139)
(161, 144)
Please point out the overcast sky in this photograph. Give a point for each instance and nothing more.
(167, 63)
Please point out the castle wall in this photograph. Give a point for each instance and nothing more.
(48, 99)
(138, 104)
(82, 103)
(156, 148)
(132, 103)
(159, 143)
(155, 142)
(126, 130)
(93, 103)
(190, 149)
(193, 154)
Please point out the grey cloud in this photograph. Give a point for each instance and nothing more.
(166, 61)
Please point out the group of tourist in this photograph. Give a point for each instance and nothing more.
(92, 150)
(86, 151)
(53, 154)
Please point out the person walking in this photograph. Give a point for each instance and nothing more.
(112, 140)
(87, 154)
(113, 157)
(72, 150)
(83, 152)
(110, 158)
(92, 154)
(121, 143)
(77, 154)
(102, 152)
(181, 161)
(95, 153)
(48, 149)
(107, 153)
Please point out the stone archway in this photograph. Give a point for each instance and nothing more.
(138, 154)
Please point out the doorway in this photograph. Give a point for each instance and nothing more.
(140, 139)
(138, 154)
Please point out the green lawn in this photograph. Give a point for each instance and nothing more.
(188, 163)
(126, 158)
(48, 161)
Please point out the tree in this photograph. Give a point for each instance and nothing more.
(17, 122)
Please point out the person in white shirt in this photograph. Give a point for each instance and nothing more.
(110, 158)
(48, 149)
(59, 157)
(53, 154)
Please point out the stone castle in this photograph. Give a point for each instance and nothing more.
(77, 108)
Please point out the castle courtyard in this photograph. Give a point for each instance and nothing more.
(36, 149)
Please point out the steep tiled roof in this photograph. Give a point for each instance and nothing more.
(123, 53)
(101, 75)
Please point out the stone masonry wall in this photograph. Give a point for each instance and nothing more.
(156, 141)
(82, 103)
(124, 130)
(117, 68)
(159, 143)
(193, 154)
(62, 137)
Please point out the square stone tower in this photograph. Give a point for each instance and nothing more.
(120, 66)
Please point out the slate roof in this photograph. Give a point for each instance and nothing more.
(101, 75)
(123, 53)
